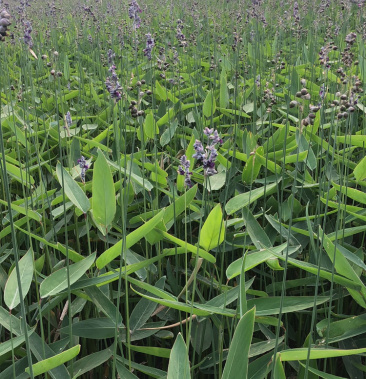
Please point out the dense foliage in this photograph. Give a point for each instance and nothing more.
(182, 189)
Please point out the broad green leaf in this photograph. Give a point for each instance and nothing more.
(244, 199)
(104, 196)
(237, 361)
(189, 248)
(254, 258)
(72, 189)
(178, 363)
(320, 374)
(19, 175)
(57, 281)
(301, 354)
(24, 211)
(342, 329)
(131, 239)
(105, 305)
(278, 371)
(224, 93)
(213, 230)
(143, 309)
(151, 350)
(66, 67)
(123, 371)
(95, 95)
(209, 105)
(89, 362)
(39, 347)
(150, 127)
(251, 169)
(351, 193)
(150, 371)
(10, 345)
(255, 231)
(267, 306)
(343, 267)
(168, 133)
(355, 140)
(11, 292)
(57, 360)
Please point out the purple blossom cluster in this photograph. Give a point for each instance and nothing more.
(207, 156)
(183, 169)
(68, 119)
(27, 34)
(84, 166)
(112, 84)
(133, 14)
(150, 43)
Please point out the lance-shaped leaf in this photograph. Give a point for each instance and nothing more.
(213, 230)
(178, 363)
(104, 196)
(11, 293)
(130, 240)
(72, 189)
(57, 281)
(237, 361)
(57, 360)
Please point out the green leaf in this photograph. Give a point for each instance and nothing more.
(144, 309)
(254, 258)
(57, 281)
(178, 363)
(266, 306)
(11, 292)
(213, 230)
(168, 133)
(209, 105)
(150, 127)
(95, 95)
(90, 362)
(237, 361)
(278, 372)
(343, 267)
(57, 360)
(360, 170)
(249, 197)
(255, 231)
(123, 371)
(13, 343)
(320, 374)
(104, 304)
(66, 67)
(72, 189)
(301, 354)
(104, 196)
(131, 239)
(224, 93)
(24, 211)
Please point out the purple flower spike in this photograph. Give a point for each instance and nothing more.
(200, 151)
(133, 11)
(183, 169)
(112, 84)
(84, 166)
(150, 43)
(27, 34)
(68, 119)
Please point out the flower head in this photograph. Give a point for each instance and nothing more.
(113, 85)
(84, 166)
(133, 12)
(183, 169)
(150, 43)
(27, 34)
